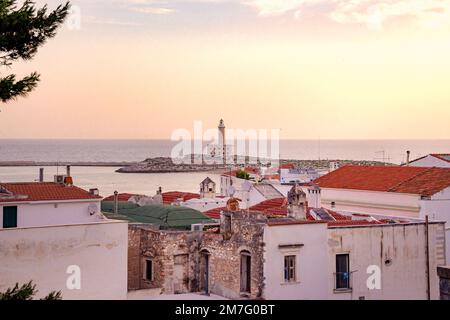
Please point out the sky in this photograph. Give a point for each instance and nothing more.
(328, 69)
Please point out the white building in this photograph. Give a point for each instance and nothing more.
(313, 260)
(47, 203)
(343, 255)
(54, 234)
(204, 204)
(207, 188)
(441, 160)
(406, 191)
(290, 174)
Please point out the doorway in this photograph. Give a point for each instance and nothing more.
(204, 271)
(245, 271)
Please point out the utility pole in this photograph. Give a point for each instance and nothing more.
(427, 251)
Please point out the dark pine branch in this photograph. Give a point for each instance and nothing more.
(23, 29)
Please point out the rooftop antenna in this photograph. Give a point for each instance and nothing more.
(383, 158)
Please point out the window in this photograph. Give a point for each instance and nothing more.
(148, 270)
(289, 269)
(10, 217)
(342, 271)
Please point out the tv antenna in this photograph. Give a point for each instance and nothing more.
(384, 157)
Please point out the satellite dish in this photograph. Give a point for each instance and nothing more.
(92, 209)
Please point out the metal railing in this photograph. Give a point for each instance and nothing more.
(343, 280)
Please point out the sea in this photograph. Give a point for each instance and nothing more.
(107, 180)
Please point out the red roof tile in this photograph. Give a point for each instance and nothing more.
(272, 177)
(171, 196)
(276, 207)
(338, 216)
(43, 191)
(271, 203)
(121, 197)
(214, 213)
(288, 166)
(293, 222)
(348, 223)
(416, 180)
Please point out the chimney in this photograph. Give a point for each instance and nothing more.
(116, 202)
(68, 171)
(314, 197)
(297, 203)
(94, 192)
(41, 174)
(408, 153)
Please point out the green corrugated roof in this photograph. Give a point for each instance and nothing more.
(164, 215)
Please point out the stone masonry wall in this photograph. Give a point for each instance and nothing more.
(225, 257)
(176, 257)
(163, 247)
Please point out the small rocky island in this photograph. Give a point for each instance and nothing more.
(166, 165)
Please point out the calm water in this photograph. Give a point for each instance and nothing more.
(136, 150)
(107, 181)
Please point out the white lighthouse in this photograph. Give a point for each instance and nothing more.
(222, 141)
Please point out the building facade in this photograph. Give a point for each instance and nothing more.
(54, 234)
(251, 255)
(407, 191)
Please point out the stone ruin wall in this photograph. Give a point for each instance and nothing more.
(169, 248)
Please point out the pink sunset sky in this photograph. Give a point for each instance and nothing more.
(336, 69)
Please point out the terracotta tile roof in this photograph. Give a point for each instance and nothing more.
(214, 213)
(276, 207)
(272, 177)
(348, 223)
(168, 197)
(288, 166)
(292, 222)
(171, 196)
(416, 180)
(122, 197)
(43, 191)
(338, 216)
(268, 204)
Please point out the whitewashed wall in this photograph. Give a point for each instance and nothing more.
(43, 254)
(36, 214)
(438, 208)
(311, 261)
(372, 202)
(205, 204)
(405, 245)
(430, 161)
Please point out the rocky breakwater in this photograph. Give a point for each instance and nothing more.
(165, 164)
(325, 164)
